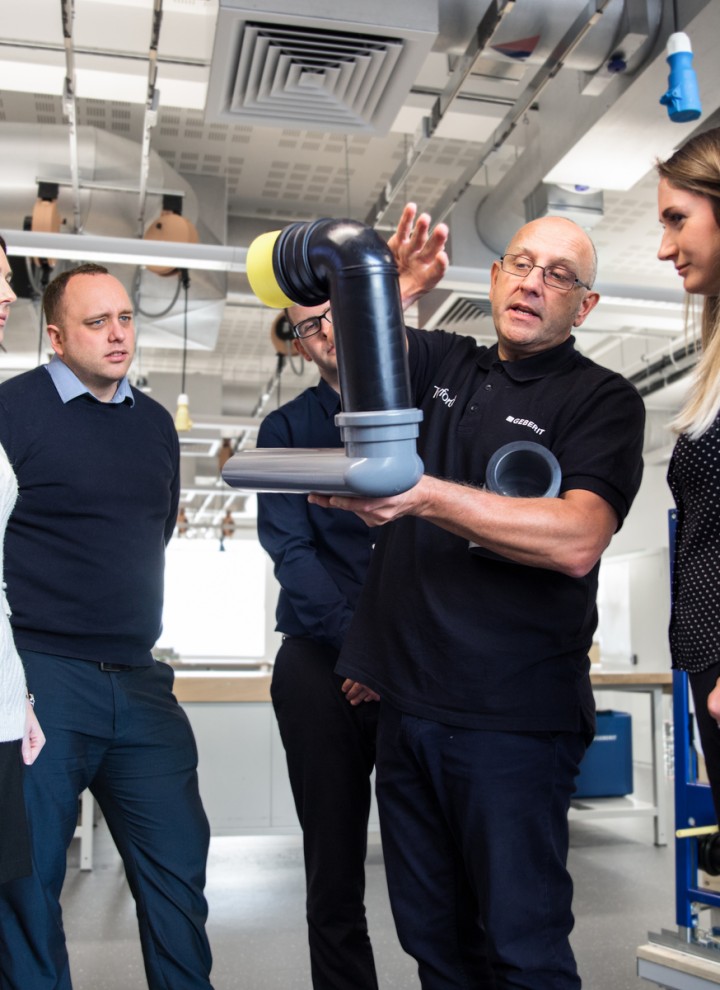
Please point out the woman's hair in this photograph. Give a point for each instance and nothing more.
(3, 245)
(695, 168)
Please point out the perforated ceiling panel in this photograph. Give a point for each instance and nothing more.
(315, 70)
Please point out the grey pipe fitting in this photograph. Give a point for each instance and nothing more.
(352, 266)
(524, 470)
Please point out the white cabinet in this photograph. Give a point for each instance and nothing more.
(243, 773)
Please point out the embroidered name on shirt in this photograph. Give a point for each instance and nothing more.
(526, 422)
(444, 395)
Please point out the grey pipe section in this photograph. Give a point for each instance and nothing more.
(352, 266)
(374, 463)
(524, 469)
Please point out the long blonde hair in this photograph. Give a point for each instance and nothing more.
(695, 167)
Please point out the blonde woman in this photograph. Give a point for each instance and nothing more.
(21, 737)
(689, 209)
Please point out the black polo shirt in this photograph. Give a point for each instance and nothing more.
(473, 640)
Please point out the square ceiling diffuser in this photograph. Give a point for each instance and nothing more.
(330, 68)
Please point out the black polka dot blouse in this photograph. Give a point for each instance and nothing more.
(694, 479)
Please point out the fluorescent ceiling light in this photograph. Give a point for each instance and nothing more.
(125, 251)
(102, 77)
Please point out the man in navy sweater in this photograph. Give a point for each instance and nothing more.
(98, 473)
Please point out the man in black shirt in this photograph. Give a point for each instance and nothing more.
(476, 619)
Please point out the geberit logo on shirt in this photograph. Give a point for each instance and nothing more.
(526, 422)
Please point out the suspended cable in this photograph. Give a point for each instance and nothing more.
(185, 281)
(136, 298)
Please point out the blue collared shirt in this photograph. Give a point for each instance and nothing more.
(69, 386)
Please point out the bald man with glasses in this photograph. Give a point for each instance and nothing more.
(475, 621)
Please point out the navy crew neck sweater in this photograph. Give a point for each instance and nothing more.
(85, 546)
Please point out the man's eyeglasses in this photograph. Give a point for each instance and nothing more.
(555, 276)
(311, 326)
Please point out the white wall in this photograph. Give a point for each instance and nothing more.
(634, 608)
(220, 606)
(646, 525)
(634, 598)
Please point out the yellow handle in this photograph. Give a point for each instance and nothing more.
(260, 271)
(686, 833)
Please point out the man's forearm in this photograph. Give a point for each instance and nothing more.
(566, 534)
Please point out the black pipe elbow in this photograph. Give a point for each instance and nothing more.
(351, 265)
(307, 256)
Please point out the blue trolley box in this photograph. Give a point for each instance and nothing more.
(607, 767)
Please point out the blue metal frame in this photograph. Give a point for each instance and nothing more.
(693, 800)
(693, 808)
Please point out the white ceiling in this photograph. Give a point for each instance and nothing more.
(449, 120)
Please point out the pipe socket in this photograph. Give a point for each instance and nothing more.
(524, 470)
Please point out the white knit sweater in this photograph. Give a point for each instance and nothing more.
(12, 676)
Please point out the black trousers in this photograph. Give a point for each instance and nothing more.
(330, 749)
(701, 684)
(15, 858)
(475, 839)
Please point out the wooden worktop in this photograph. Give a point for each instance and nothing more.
(630, 678)
(245, 686)
(229, 687)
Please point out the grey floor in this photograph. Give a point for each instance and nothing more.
(623, 882)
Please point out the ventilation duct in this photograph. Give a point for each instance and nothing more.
(583, 206)
(332, 67)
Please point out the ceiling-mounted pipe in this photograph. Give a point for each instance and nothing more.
(70, 108)
(566, 47)
(352, 266)
(572, 38)
(151, 111)
(396, 184)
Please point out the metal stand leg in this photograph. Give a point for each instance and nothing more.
(84, 830)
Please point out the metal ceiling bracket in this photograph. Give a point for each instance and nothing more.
(151, 112)
(550, 68)
(485, 30)
(69, 107)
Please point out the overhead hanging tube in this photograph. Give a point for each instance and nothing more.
(350, 265)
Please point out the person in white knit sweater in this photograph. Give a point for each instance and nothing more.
(21, 737)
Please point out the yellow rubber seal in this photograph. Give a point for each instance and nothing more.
(260, 271)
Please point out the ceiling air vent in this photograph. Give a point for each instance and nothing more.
(459, 312)
(465, 310)
(319, 73)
